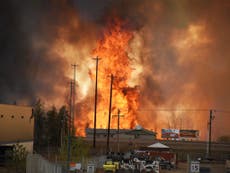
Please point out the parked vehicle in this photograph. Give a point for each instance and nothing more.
(164, 164)
(110, 166)
(150, 168)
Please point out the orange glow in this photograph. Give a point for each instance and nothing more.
(112, 50)
(191, 43)
(117, 46)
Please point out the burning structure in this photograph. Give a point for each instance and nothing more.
(163, 54)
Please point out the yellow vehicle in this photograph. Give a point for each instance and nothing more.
(110, 166)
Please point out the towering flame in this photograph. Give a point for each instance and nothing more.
(112, 49)
(163, 54)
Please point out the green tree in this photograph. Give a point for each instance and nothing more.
(53, 128)
(56, 125)
(50, 127)
(63, 123)
(39, 127)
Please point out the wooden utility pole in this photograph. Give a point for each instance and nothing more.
(118, 129)
(110, 109)
(211, 117)
(73, 98)
(69, 127)
(95, 106)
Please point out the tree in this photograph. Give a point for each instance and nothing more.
(56, 125)
(53, 128)
(49, 128)
(39, 119)
(63, 122)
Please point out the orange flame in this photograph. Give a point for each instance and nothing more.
(112, 50)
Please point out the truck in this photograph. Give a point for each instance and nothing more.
(110, 166)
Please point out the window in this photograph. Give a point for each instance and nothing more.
(12, 116)
(2, 116)
(22, 117)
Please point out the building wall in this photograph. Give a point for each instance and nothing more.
(16, 123)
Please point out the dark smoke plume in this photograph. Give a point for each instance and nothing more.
(195, 75)
(26, 73)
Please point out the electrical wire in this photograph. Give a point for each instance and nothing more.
(184, 110)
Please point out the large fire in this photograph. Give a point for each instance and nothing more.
(116, 50)
(170, 60)
(158, 61)
(112, 50)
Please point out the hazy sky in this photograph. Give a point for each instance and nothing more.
(181, 47)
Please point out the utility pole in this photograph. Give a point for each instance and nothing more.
(69, 127)
(110, 109)
(95, 105)
(211, 117)
(118, 129)
(73, 98)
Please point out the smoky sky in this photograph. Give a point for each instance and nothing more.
(24, 70)
(28, 72)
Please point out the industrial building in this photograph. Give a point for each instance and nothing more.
(16, 126)
(124, 134)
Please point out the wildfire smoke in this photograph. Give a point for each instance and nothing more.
(163, 54)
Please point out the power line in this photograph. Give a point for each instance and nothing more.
(222, 111)
(183, 110)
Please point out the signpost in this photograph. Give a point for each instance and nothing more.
(194, 167)
(189, 133)
(91, 168)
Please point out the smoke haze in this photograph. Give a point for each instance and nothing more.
(179, 51)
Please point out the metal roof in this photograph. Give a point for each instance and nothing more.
(126, 131)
